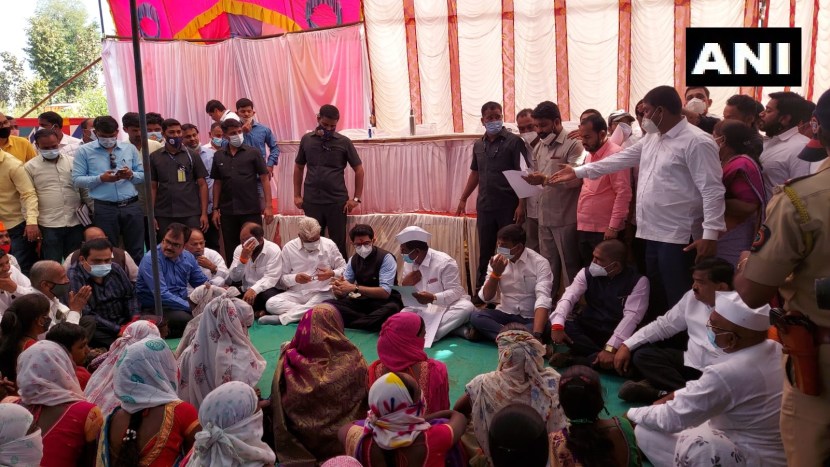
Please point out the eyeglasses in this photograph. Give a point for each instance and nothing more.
(173, 245)
(718, 330)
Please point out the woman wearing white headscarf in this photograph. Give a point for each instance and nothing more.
(50, 391)
(153, 427)
(99, 389)
(521, 377)
(201, 296)
(231, 433)
(221, 351)
(20, 445)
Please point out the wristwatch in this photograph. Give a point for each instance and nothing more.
(610, 349)
(356, 200)
(537, 335)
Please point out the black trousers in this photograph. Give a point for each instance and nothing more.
(663, 367)
(231, 225)
(331, 217)
(176, 320)
(488, 224)
(366, 314)
(587, 241)
(587, 341)
(262, 298)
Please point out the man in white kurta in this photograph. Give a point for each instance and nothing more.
(734, 405)
(308, 264)
(256, 264)
(211, 262)
(434, 274)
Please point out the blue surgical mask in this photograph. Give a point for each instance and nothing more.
(711, 335)
(100, 270)
(408, 258)
(504, 251)
(493, 127)
(155, 136)
(217, 142)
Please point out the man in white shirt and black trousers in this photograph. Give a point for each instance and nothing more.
(524, 280)
(680, 194)
(256, 264)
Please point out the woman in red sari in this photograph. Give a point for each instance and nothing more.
(740, 148)
(401, 349)
(319, 385)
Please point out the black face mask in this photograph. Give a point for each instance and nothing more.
(5, 132)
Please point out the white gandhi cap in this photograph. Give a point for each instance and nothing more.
(413, 233)
(732, 307)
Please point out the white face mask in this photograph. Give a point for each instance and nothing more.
(504, 251)
(649, 126)
(236, 140)
(529, 136)
(696, 106)
(363, 250)
(50, 154)
(596, 270)
(107, 143)
(311, 246)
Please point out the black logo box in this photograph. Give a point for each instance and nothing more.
(726, 38)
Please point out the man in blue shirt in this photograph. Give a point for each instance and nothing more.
(364, 295)
(178, 268)
(257, 134)
(109, 169)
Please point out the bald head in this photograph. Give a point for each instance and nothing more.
(196, 244)
(613, 250)
(251, 229)
(46, 274)
(92, 233)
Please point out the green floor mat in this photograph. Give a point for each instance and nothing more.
(464, 359)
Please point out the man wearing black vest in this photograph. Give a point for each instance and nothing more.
(616, 300)
(364, 294)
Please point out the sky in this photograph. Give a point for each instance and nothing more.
(16, 13)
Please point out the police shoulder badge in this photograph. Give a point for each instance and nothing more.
(760, 238)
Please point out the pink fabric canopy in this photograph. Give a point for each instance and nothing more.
(287, 77)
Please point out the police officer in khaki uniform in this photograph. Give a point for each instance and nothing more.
(790, 252)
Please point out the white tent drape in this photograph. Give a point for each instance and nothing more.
(288, 78)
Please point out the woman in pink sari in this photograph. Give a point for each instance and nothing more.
(401, 349)
(740, 149)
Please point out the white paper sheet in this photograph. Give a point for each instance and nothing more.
(406, 295)
(431, 314)
(520, 186)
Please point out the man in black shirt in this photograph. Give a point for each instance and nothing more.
(236, 199)
(177, 182)
(497, 205)
(324, 196)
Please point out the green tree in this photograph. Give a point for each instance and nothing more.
(61, 41)
(93, 103)
(12, 79)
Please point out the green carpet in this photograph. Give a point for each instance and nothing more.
(464, 359)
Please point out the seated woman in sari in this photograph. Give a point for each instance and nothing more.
(153, 427)
(20, 441)
(25, 319)
(231, 433)
(220, 351)
(521, 377)
(589, 440)
(740, 150)
(50, 390)
(99, 390)
(401, 349)
(398, 433)
(201, 296)
(319, 385)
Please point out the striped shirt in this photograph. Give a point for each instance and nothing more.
(113, 302)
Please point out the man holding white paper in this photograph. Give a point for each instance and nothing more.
(434, 275)
(309, 262)
(557, 203)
